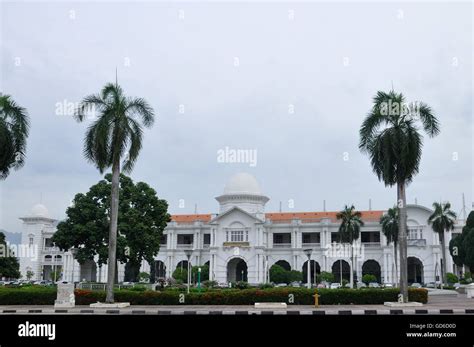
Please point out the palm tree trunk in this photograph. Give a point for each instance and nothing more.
(352, 266)
(402, 240)
(111, 263)
(395, 255)
(443, 254)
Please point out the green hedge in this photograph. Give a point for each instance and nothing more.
(300, 296)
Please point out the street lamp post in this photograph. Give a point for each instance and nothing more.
(188, 254)
(199, 279)
(308, 271)
(73, 252)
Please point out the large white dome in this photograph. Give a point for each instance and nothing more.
(39, 210)
(242, 183)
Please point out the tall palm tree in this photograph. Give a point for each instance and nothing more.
(442, 220)
(14, 126)
(349, 231)
(389, 222)
(389, 135)
(115, 134)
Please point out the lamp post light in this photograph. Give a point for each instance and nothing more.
(308, 271)
(188, 253)
(199, 279)
(73, 252)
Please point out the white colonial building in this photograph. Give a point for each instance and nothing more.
(242, 242)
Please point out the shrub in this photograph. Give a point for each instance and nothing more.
(209, 284)
(302, 296)
(144, 277)
(265, 285)
(327, 276)
(368, 278)
(295, 276)
(240, 285)
(278, 274)
(180, 275)
(451, 278)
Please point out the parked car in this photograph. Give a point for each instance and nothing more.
(374, 285)
(321, 285)
(430, 285)
(335, 285)
(281, 285)
(388, 285)
(361, 285)
(295, 284)
(415, 285)
(40, 283)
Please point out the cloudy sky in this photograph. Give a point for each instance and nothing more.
(291, 81)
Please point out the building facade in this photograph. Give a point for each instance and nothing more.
(242, 241)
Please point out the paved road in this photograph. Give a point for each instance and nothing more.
(437, 304)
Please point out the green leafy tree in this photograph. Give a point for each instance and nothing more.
(389, 222)
(144, 276)
(390, 136)
(116, 134)
(143, 217)
(349, 231)
(368, 278)
(9, 266)
(327, 277)
(29, 275)
(14, 127)
(442, 220)
(461, 247)
(295, 276)
(451, 278)
(278, 274)
(180, 274)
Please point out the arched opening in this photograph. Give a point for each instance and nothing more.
(183, 265)
(284, 264)
(315, 270)
(415, 270)
(372, 267)
(157, 271)
(132, 272)
(237, 270)
(89, 271)
(341, 270)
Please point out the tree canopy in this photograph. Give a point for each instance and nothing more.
(9, 266)
(461, 247)
(141, 221)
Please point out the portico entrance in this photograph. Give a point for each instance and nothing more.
(236, 270)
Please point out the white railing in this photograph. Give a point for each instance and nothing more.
(184, 246)
(371, 244)
(51, 249)
(416, 242)
(281, 245)
(311, 245)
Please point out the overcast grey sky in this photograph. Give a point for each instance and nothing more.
(237, 69)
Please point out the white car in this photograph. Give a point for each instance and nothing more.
(374, 285)
(415, 285)
(388, 285)
(335, 285)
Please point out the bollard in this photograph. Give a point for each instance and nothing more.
(316, 300)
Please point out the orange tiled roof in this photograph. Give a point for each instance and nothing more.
(189, 218)
(366, 215)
